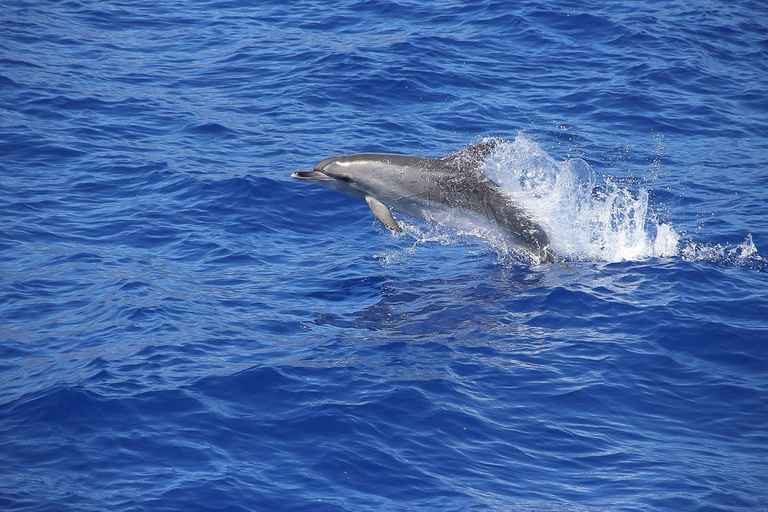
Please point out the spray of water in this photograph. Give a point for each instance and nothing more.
(744, 254)
(586, 218)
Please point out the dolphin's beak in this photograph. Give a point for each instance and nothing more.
(311, 176)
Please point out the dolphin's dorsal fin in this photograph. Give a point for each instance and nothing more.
(382, 213)
(473, 156)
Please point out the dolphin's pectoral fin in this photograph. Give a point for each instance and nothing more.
(382, 213)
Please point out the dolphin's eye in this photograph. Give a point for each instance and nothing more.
(342, 177)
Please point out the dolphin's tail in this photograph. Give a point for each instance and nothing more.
(529, 233)
(537, 242)
(549, 255)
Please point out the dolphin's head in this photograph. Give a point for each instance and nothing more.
(332, 173)
(355, 175)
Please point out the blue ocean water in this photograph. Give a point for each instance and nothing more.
(184, 327)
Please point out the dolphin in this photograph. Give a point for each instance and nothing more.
(418, 185)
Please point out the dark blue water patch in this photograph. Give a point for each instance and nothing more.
(582, 27)
(211, 129)
(5, 82)
(81, 425)
(247, 206)
(329, 460)
(20, 146)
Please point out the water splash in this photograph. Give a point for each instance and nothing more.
(744, 254)
(586, 218)
(419, 235)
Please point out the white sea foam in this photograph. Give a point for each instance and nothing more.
(744, 254)
(587, 218)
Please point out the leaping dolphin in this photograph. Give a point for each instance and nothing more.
(417, 185)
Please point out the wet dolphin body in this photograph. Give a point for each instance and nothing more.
(416, 185)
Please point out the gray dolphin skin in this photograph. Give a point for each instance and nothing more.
(417, 185)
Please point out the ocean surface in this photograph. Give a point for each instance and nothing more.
(183, 327)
